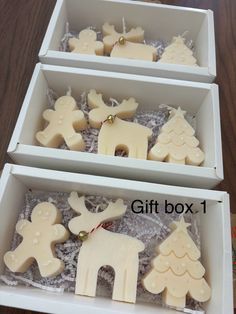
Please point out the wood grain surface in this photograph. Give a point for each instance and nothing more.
(22, 27)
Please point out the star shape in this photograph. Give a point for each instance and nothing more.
(177, 112)
(181, 225)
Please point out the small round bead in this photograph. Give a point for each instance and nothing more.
(83, 235)
(122, 40)
(110, 119)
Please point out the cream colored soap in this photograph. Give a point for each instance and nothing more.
(129, 136)
(177, 288)
(39, 238)
(105, 248)
(100, 111)
(86, 43)
(134, 51)
(63, 122)
(178, 53)
(177, 143)
(179, 266)
(111, 36)
(176, 271)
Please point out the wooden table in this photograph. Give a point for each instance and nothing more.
(22, 27)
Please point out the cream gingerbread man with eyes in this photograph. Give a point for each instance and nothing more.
(63, 122)
(39, 238)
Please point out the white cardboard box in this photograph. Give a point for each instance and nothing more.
(214, 232)
(200, 99)
(159, 22)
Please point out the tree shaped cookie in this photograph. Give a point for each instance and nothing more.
(39, 238)
(178, 53)
(63, 122)
(86, 43)
(176, 271)
(176, 142)
(111, 36)
(115, 133)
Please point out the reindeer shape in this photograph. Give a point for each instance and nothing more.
(105, 248)
(132, 137)
(111, 36)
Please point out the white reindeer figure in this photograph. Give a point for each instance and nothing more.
(118, 134)
(103, 247)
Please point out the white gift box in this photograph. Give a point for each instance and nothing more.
(199, 99)
(158, 21)
(214, 233)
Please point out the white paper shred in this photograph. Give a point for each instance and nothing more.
(150, 228)
(159, 43)
(154, 120)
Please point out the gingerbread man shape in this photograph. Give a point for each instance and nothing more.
(86, 43)
(111, 36)
(39, 237)
(63, 122)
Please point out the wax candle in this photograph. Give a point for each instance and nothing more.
(86, 43)
(178, 53)
(39, 237)
(111, 36)
(102, 247)
(176, 271)
(115, 133)
(63, 122)
(129, 50)
(176, 142)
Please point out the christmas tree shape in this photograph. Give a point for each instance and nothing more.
(176, 271)
(176, 142)
(178, 53)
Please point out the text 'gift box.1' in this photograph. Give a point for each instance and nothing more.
(214, 229)
(158, 21)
